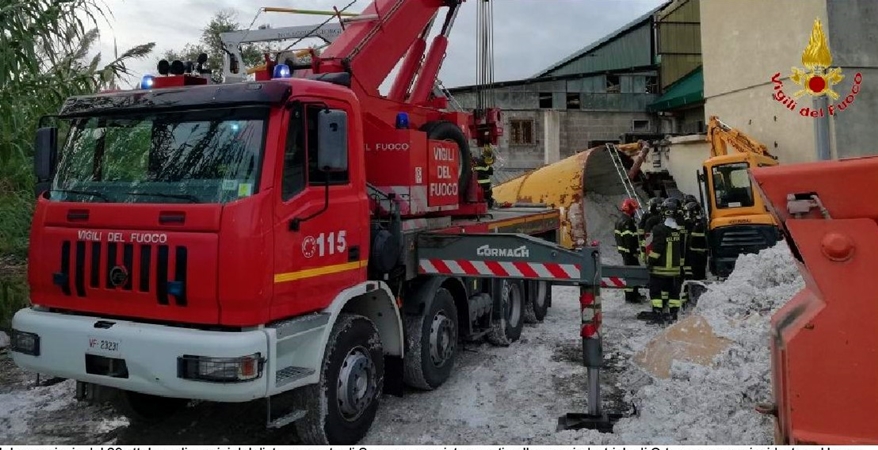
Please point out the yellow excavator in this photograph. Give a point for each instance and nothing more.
(739, 221)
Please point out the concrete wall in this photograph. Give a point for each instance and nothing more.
(852, 39)
(559, 134)
(682, 159)
(745, 42)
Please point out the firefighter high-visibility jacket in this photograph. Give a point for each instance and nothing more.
(483, 172)
(696, 248)
(665, 257)
(626, 236)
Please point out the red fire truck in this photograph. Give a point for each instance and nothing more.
(298, 236)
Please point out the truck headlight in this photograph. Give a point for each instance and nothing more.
(220, 370)
(24, 342)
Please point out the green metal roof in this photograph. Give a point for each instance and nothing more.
(686, 91)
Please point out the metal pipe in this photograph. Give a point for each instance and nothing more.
(312, 12)
(821, 129)
(594, 391)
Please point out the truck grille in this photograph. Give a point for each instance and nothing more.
(747, 238)
(112, 266)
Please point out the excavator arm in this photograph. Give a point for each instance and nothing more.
(722, 136)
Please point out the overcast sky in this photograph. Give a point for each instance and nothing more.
(529, 35)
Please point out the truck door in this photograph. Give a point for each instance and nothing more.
(317, 237)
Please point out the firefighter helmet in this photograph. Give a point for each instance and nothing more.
(629, 205)
(671, 207)
(692, 209)
(655, 204)
(689, 198)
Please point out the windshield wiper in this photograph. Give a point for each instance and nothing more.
(74, 191)
(191, 198)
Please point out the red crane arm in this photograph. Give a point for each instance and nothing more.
(373, 43)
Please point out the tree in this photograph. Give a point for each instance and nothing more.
(211, 44)
(44, 50)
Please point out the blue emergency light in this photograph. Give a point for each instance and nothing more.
(147, 81)
(402, 121)
(282, 71)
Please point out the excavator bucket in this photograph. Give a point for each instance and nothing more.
(564, 185)
(824, 341)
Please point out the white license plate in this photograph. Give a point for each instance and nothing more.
(104, 346)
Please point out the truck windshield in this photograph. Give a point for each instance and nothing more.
(205, 156)
(731, 184)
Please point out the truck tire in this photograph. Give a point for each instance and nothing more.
(432, 343)
(508, 329)
(342, 406)
(146, 408)
(537, 305)
(443, 131)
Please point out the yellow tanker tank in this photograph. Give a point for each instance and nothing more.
(563, 185)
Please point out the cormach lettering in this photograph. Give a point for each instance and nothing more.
(487, 250)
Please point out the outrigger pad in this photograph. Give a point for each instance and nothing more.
(578, 421)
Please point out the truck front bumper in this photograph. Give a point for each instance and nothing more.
(150, 359)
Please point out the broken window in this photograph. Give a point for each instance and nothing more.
(572, 100)
(522, 132)
(652, 85)
(614, 85)
(545, 100)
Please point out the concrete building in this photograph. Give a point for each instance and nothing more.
(769, 37)
(589, 98)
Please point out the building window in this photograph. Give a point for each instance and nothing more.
(522, 132)
(572, 100)
(546, 100)
(640, 125)
(614, 85)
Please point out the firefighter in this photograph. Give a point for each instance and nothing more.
(664, 263)
(650, 217)
(484, 169)
(696, 249)
(627, 243)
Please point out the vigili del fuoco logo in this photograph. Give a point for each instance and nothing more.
(818, 78)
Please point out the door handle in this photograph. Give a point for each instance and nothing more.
(354, 253)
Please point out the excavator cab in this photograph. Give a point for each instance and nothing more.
(738, 219)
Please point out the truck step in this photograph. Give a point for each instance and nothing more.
(283, 421)
(289, 374)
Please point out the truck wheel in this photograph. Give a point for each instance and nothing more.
(341, 408)
(432, 339)
(508, 330)
(537, 305)
(442, 131)
(146, 408)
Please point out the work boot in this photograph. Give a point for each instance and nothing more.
(674, 314)
(657, 316)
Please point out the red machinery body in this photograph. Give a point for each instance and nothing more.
(824, 344)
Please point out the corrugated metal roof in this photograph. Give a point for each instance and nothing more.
(686, 91)
(602, 41)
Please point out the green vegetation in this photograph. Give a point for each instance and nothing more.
(44, 58)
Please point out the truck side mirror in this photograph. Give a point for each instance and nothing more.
(332, 141)
(45, 153)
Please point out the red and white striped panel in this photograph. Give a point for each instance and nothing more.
(464, 267)
(499, 268)
(613, 282)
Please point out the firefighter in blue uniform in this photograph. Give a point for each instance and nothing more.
(695, 267)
